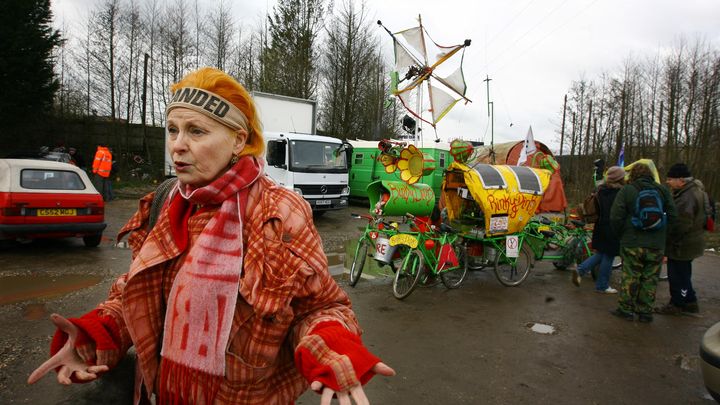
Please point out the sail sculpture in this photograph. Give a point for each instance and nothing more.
(418, 61)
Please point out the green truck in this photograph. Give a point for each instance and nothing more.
(365, 168)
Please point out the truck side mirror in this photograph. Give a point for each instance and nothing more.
(276, 153)
(347, 149)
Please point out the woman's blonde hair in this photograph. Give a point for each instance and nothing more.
(225, 86)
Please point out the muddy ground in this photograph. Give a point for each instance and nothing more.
(467, 346)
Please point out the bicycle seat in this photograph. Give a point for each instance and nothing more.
(545, 220)
(547, 233)
(578, 223)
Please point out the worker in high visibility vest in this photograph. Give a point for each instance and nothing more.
(102, 166)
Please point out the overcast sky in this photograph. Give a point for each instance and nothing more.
(531, 49)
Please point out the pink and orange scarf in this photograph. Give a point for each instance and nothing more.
(202, 299)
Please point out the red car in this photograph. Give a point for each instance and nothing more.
(45, 199)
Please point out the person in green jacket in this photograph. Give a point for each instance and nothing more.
(685, 240)
(642, 251)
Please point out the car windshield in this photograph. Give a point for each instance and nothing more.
(48, 179)
(311, 156)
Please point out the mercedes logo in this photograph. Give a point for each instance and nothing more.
(323, 189)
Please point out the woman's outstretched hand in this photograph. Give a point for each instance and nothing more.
(356, 393)
(70, 363)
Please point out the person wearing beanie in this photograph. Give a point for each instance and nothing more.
(228, 299)
(685, 240)
(605, 244)
(616, 175)
(642, 250)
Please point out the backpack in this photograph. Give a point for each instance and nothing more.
(649, 212)
(161, 194)
(590, 208)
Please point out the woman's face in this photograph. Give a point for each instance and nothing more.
(200, 147)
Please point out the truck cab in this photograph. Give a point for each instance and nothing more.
(313, 166)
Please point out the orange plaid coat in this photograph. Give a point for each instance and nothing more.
(285, 290)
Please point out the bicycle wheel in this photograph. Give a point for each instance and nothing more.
(407, 277)
(399, 257)
(511, 271)
(358, 261)
(454, 277)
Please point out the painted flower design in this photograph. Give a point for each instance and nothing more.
(411, 164)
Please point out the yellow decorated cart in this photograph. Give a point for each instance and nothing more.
(492, 200)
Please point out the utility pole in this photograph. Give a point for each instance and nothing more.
(491, 114)
(562, 128)
(146, 147)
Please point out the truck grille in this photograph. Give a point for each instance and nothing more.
(317, 189)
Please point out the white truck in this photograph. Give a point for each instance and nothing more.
(313, 166)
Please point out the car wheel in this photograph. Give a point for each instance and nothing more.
(92, 240)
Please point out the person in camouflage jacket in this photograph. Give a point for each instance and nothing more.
(642, 251)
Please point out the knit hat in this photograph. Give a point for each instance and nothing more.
(679, 171)
(615, 174)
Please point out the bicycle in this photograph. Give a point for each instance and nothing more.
(540, 239)
(510, 271)
(376, 234)
(563, 244)
(431, 253)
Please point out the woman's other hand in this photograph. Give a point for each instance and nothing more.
(356, 393)
(70, 364)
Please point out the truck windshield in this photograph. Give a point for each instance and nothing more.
(312, 156)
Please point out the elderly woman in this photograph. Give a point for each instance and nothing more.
(228, 299)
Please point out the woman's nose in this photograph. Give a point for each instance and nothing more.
(178, 144)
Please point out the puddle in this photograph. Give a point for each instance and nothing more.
(21, 288)
(541, 328)
(335, 259)
(33, 312)
(686, 362)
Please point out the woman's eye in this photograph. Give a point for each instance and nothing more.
(196, 131)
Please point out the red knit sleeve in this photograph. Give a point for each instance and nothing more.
(97, 333)
(334, 356)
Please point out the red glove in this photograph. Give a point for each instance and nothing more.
(335, 357)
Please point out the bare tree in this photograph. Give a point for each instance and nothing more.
(221, 32)
(348, 59)
(103, 50)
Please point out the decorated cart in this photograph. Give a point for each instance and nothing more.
(490, 205)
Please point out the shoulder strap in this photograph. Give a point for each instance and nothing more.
(161, 193)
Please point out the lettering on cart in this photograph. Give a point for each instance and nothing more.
(512, 205)
(411, 194)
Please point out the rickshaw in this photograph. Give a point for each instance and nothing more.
(426, 251)
(490, 205)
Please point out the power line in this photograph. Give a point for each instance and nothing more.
(506, 48)
(510, 22)
(567, 21)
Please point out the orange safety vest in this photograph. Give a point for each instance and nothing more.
(103, 162)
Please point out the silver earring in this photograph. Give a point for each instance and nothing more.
(234, 160)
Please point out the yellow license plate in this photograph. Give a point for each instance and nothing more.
(403, 239)
(56, 212)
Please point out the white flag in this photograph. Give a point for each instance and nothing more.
(528, 148)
